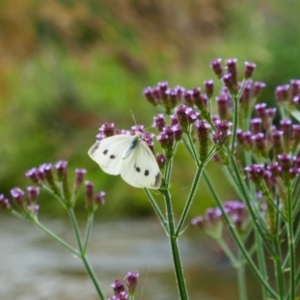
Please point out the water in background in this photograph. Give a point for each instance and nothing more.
(34, 267)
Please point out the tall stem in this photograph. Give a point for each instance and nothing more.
(291, 242)
(241, 277)
(174, 248)
(83, 255)
(238, 241)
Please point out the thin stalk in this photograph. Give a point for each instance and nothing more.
(259, 223)
(158, 211)
(83, 255)
(279, 268)
(174, 248)
(261, 259)
(235, 263)
(190, 198)
(241, 277)
(236, 98)
(193, 190)
(237, 239)
(56, 238)
(88, 232)
(291, 242)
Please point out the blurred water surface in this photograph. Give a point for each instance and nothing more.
(34, 267)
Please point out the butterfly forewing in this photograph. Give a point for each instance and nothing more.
(129, 156)
(109, 151)
(141, 168)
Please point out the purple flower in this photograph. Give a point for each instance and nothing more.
(249, 69)
(148, 93)
(258, 87)
(259, 142)
(99, 198)
(202, 129)
(256, 173)
(33, 193)
(189, 98)
(166, 138)
(232, 69)
(33, 174)
(159, 122)
(223, 102)
(209, 88)
(107, 129)
(61, 169)
(79, 178)
(89, 194)
(198, 221)
(222, 131)
(4, 203)
(256, 125)
(282, 93)
(131, 281)
(217, 67)
(294, 87)
(229, 82)
(18, 195)
(118, 286)
(161, 160)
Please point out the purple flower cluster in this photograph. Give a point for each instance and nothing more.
(229, 74)
(266, 140)
(120, 291)
(25, 202)
(54, 179)
(212, 222)
(170, 98)
(288, 93)
(285, 169)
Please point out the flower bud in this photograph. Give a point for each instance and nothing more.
(217, 67)
(131, 281)
(249, 69)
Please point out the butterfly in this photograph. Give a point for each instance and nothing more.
(129, 156)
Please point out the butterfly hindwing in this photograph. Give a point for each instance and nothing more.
(141, 168)
(108, 153)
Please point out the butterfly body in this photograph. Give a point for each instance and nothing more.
(130, 157)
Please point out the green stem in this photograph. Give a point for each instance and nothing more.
(88, 232)
(174, 248)
(83, 256)
(241, 276)
(279, 268)
(291, 242)
(259, 222)
(56, 238)
(190, 198)
(237, 239)
(158, 211)
(235, 263)
(236, 98)
(261, 262)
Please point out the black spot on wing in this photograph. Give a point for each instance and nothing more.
(138, 169)
(112, 156)
(146, 173)
(157, 180)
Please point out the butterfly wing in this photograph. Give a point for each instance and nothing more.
(140, 169)
(108, 153)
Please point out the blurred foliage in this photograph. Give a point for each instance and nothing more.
(67, 66)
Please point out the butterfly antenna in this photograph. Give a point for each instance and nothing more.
(133, 117)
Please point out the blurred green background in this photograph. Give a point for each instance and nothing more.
(68, 66)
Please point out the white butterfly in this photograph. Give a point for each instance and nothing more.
(129, 156)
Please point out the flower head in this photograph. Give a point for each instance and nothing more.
(131, 281)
